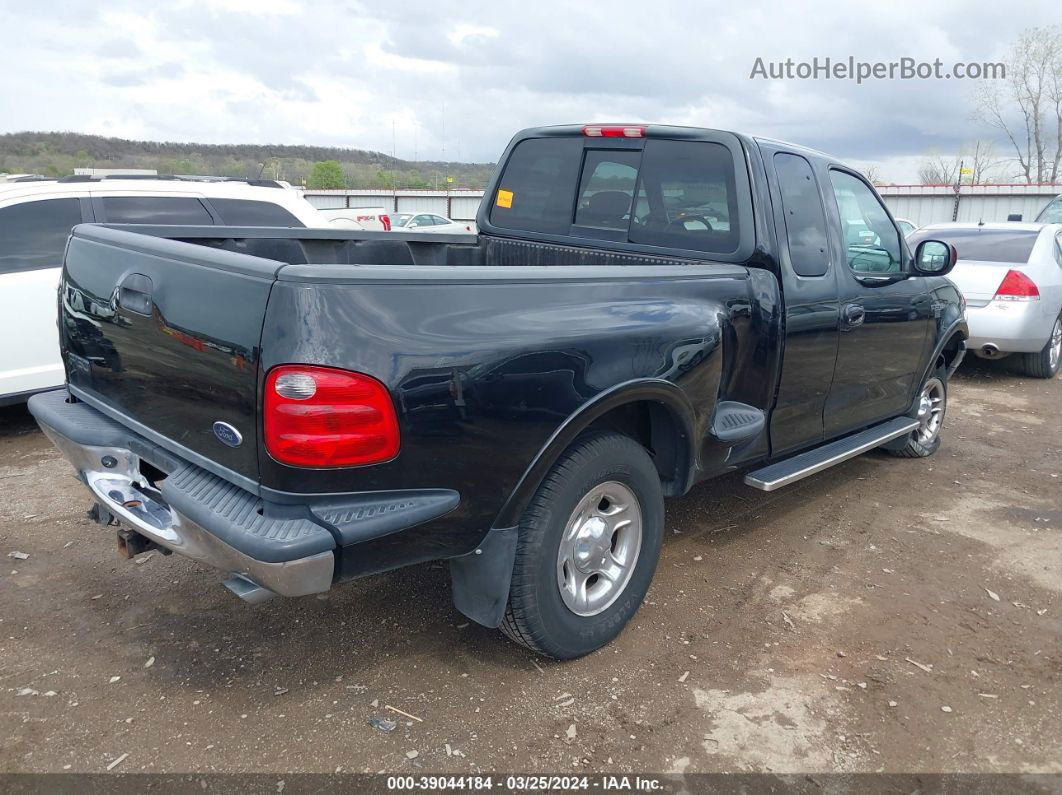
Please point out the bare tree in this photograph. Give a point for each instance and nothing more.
(872, 174)
(939, 170)
(1027, 107)
(978, 157)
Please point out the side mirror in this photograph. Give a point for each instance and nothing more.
(934, 258)
(1014, 217)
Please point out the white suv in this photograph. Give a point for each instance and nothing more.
(35, 220)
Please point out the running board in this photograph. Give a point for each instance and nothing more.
(800, 466)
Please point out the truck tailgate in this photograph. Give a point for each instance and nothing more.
(166, 336)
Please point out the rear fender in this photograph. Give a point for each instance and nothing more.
(481, 578)
(665, 393)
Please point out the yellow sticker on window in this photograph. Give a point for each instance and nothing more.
(505, 199)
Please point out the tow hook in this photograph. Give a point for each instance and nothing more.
(131, 544)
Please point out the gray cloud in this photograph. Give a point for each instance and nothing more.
(457, 82)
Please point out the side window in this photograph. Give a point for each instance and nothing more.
(537, 189)
(805, 219)
(607, 190)
(686, 197)
(33, 234)
(870, 239)
(155, 210)
(438, 220)
(247, 212)
(421, 220)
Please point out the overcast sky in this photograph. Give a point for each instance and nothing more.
(455, 80)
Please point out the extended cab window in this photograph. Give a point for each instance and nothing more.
(871, 241)
(537, 190)
(805, 219)
(33, 234)
(247, 212)
(155, 210)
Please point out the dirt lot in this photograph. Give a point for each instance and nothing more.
(884, 615)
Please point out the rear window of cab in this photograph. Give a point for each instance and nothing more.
(668, 193)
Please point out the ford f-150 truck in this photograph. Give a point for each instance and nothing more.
(645, 307)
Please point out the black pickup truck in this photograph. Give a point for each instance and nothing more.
(645, 307)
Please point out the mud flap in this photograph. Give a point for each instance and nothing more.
(481, 578)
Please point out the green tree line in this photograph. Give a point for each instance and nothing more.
(58, 154)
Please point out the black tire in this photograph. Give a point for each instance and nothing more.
(1040, 365)
(537, 616)
(913, 447)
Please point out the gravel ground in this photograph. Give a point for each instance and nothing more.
(883, 615)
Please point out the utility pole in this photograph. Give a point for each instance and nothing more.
(958, 187)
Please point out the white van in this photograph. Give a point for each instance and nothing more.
(35, 220)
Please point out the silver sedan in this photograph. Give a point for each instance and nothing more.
(1011, 277)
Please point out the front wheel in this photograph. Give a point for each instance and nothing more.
(1044, 364)
(924, 440)
(587, 549)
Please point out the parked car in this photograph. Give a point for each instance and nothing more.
(372, 218)
(1051, 214)
(906, 227)
(518, 402)
(1011, 276)
(36, 217)
(428, 222)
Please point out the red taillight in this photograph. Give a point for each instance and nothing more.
(324, 418)
(614, 131)
(386, 221)
(1016, 286)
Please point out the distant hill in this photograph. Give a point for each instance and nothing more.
(58, 154)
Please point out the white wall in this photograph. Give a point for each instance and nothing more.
(922, 204)
(932, 204)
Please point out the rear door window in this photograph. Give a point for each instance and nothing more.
(247, 212)
(183, 210)
(33, 234)
(1008, 246)
(805, 218)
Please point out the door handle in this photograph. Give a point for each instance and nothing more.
(134, 294)
(854, 314)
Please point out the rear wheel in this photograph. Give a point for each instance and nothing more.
(932, 406)
(1045, 363)
(588, 546)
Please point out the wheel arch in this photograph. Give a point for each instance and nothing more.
(655, 413)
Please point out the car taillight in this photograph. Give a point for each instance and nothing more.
(386, 221)
(1016, 286)
(614, 131)
(321, 417)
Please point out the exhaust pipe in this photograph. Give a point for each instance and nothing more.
(990, 350)
(247, 590)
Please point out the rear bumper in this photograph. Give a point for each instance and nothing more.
(1009, 326)
(289, 550)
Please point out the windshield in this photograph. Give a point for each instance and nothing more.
(984, 245)
(1052, 213)
(400, 219)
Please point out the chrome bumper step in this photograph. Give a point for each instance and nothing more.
(801, 466)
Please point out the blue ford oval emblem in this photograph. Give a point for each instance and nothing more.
(227, 435)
